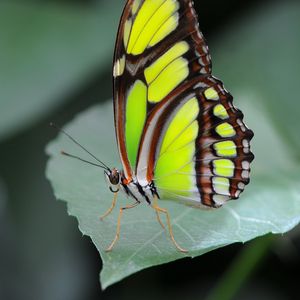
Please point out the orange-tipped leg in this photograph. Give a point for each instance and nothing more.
(163, 210)
(113, 204)
(110, 247)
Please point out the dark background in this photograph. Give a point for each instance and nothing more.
(43, 255)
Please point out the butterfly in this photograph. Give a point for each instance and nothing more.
(179, 135)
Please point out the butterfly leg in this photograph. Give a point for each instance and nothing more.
(119, 225)
(159, 219)
(113, 204)
(163, 210)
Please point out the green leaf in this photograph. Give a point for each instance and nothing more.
(270, 204)
(46, 52)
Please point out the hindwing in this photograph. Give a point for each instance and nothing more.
(200, 147)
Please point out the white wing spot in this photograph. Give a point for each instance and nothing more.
(245, 174)
(245, 143)
(246, 165)
(119, 67)
(241, 185)
(237, 193)
(241, 124)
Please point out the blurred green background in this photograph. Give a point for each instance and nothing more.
(55, 61)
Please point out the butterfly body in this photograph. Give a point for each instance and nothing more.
(140, 193)
(133, 189)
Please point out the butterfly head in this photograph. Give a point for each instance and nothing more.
(113, 178)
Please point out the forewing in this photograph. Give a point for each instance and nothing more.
(159, 48)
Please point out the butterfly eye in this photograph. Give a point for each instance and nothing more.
(114, 177)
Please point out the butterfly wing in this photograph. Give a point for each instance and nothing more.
(154, 52)
(199, 150)
(175, 123)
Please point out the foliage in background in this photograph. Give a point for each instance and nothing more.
(47, 51)
(275, 174)
(259, 54)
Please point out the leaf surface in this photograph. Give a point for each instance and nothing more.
(271, 203)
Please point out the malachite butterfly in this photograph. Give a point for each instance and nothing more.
(179, 135)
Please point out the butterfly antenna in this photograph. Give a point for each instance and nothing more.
(104, 166)
(81, 159)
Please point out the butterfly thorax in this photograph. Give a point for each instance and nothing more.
(132, 188)
(138, 192)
